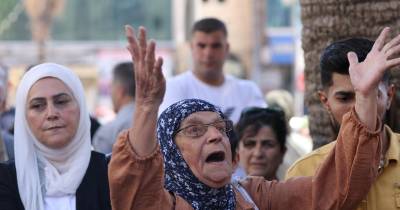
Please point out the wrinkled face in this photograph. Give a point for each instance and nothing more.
(208, 156)
(209, 51)
(339, 98)
(260, 153)
(52, 112)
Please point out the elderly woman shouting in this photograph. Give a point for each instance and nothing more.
(54, 167)
(190, 166)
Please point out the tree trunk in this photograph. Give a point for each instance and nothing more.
(325, 21)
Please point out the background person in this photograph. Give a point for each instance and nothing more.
(207, 81)
(122, 96)
(338, 97)
(54, 166)
(262, 136)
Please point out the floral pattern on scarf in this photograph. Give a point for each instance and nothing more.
(178, 176)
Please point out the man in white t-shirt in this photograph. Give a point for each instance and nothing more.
(210, 47)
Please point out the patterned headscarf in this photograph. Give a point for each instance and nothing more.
(178, 176)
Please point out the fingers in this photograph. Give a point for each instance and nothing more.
(395, 41)
(392, 63)
(133, 45)
(159, 63)
(142, 41)
(141, 51)
(393, 52)
(150, 54)
(353, 59)
(157, 67)
(380, 41)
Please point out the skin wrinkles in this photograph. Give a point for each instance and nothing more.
(196, 150)
(52, 113)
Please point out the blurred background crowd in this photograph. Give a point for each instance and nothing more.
(267, 39)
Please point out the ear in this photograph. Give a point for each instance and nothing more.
(324, 99)
(391, 92)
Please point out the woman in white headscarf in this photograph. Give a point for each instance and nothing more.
(54, 165)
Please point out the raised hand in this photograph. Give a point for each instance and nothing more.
(150, 82)
(365, 76)
(150, 89)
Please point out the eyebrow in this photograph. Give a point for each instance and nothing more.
(347, 93)
(53, 97)
(196, 120)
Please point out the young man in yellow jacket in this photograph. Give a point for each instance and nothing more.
(338, 97)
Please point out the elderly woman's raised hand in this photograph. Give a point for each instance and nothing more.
(150, 82)
(150, 89)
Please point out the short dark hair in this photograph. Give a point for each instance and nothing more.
(255, 117)
(123, 73)
(209, 25)
(334, 58)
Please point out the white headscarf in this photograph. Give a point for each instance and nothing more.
(35, 163)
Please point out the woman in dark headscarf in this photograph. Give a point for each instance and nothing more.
(190, 166)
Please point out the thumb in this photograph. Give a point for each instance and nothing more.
(352, 57)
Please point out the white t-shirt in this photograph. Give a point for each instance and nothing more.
(232, 96)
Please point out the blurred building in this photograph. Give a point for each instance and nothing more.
(263, 35)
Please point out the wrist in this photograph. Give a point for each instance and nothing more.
(146, 108)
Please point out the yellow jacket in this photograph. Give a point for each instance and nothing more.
(385, 191)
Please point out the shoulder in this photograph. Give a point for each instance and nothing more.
(8, 178)
(106, 132)
(98, 157)
(244, 85)
(9, 194)
(93, 192)
(98, 164)
(241, 82)
(180, 78)
(7, 170)
(307, 165)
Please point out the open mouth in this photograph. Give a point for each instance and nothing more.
(215, 157)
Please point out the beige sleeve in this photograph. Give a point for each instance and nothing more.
(136, 182)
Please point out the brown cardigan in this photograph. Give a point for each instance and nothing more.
(341, 182)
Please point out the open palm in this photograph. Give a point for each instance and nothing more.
(150, 82)
(365, 76)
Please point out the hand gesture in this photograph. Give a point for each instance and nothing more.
(365, 76)
(150, 82)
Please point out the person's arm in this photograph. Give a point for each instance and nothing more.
(346, 175)
(150, 89)
(341, 182)
(136, 168)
